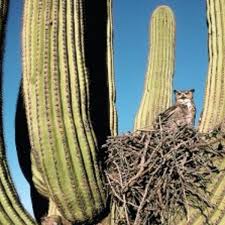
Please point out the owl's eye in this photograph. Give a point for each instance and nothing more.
(178, 93)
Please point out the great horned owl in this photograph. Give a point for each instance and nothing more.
(182, 113)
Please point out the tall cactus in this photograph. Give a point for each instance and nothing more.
(158, 82)
(11, 210)
(69, 97)
(214, 108)
(110, 67)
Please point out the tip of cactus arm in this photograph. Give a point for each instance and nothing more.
(163, 8)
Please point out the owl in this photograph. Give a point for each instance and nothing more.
(181, 113)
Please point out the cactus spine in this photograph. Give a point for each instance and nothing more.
(158, 82)
(64, 85)
(11, 210)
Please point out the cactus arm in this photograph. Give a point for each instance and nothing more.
(214, 104)
(158, 80)
(58, 82)
(111, 83)
(9, 200)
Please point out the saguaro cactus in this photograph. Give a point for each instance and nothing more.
(158, 81)
(69, 98)
(214, 104)
(11, 210)
(110, 66)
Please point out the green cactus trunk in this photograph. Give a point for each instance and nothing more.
(110, 67)
(214, 109)
(11, 210)
(158, 81)
(214, 104)
(69, 97)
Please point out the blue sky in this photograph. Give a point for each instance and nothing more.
(131, 27)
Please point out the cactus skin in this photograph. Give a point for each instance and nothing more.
(214, 109)
(65, 87)
(11, 210)
(158, 82)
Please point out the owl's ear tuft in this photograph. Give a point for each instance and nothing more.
(174, 91)
(192, 90)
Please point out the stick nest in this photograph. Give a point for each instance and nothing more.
(158, 174)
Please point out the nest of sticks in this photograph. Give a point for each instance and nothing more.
(155, 175)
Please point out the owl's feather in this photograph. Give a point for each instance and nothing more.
(183, 112)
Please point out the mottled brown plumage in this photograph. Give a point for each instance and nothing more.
(182, 113)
